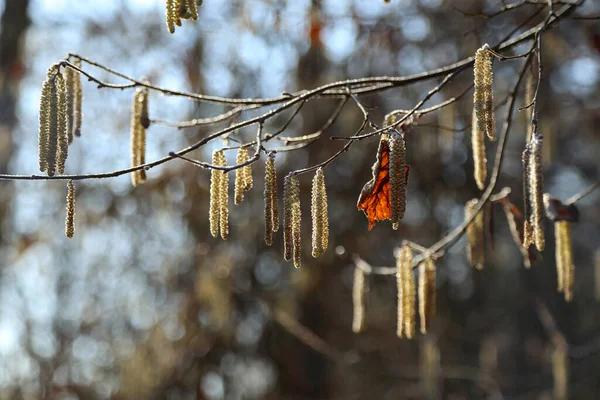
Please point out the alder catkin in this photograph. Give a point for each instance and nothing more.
(77, 116)
(240, 176)
(296, 222)
(536, 192)
(70, 96)
(560, 372)
(139, 123)
(173, 14)
(527, 207)
(397, 180)
(358, 300)
(406, 293)
(44, 121)
(62, 121)
(483, 104)
(427, 294)
(223, 198)
(288, 200)
(475, 238)
(479, 157)
(564, 258)
(270, 197)
(320, 223)
(192, 9)
(215, 194)
(70, 219)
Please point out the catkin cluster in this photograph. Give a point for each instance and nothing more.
(243, 176)
(70, 219)
(406, 293)
(270, 194)
(218, 214)
(140, 121)
(53, 140)
(533, 188)
(358, 300)
(483, 112)
(397, 179)
(292, 216)
(176, 10)
(426, 293)
(475, 232)
(320, 220)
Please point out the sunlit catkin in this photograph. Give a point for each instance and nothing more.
(223, 198)
(240, 176)
(173, 14)
(358, 300)
(62, 121)
(139, 123)
(70, 219)
(565, 268)
(426, 293)
(53, 140)
(475, 239)
(74, 100)
(397, 179)
(270, 197)
(560, 372)
(483, 103)
(406, 293)
(70, 78)
(296, 222)
(536, 192)
(479, 157)
(288, 200)
(46, 100)
(527, 206)
(320, 219)
(192, 9)
(215, 194)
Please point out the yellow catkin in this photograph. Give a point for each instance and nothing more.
(406, 293)
(560, 372)
(483, 104)
(270, 197)
(527, 207)
(475, 239)
(320, 223)
(77, 100)
(223, 199)
(296, 222)
(139, 123)
(192, 9)
(397, 180)
(358, 300)
(173, 14)
(479, 157)
(536, 192)
(62, 134)
(427, 298)
(564, 258)
(240, 176)
(288, 200)
(44, 122)
(430, 368)
(214, 210)
(70, 77)
(70, 219)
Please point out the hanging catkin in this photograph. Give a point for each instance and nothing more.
(139, 123)
(536, 192)
(270, 195)
(358, 300)
(241, 179)
(483, 103)
(320, 220)
(397, 179)
(406, 293)
(475, 232)
(527, 207)
(214, 213)
(288, 200)
(173, 14)
(223, 198)
(74, 100)
(70, 219)
(53, 137)
(426, 293)
(296, 223)
(565, 268)
(479, 158)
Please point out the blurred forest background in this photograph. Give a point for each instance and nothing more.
(144, 304)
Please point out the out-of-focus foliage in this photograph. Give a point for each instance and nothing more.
(144, 303)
